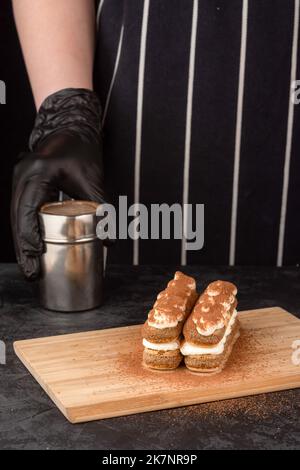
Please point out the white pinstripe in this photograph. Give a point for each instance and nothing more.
(139, 118)
(289, 139)
(99, 12)
(105, 254)
(238, 133)
(188, 131)
(114, 74)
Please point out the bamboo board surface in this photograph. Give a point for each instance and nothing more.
(98, 374)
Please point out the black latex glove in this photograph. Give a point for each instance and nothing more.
(65, 155)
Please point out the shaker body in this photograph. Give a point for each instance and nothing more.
(72, 262)
(72, 276)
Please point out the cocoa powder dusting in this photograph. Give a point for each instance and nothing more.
(259, 407)
(130, 370)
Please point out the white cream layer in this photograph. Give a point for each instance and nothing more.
(210, 330)
(172, 346)
(190, 349)
(162, 320)
(163, 324)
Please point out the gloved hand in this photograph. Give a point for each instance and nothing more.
(65, 155)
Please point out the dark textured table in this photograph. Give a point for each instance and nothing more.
(29, 420)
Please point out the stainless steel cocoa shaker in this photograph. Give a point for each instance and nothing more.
(72, 264)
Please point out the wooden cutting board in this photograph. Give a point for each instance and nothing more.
(98, 374)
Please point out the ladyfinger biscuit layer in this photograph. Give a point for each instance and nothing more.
(162, 360)
(164, 335)
(213, 362)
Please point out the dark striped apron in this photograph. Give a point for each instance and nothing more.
(197, 109)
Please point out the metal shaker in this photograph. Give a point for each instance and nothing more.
(72, 263)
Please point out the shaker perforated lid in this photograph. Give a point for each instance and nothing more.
(68, 221)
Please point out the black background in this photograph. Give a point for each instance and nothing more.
(16, 118)
(263, 137)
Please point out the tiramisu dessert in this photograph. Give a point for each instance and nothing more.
(212, 329)
(161, 332)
